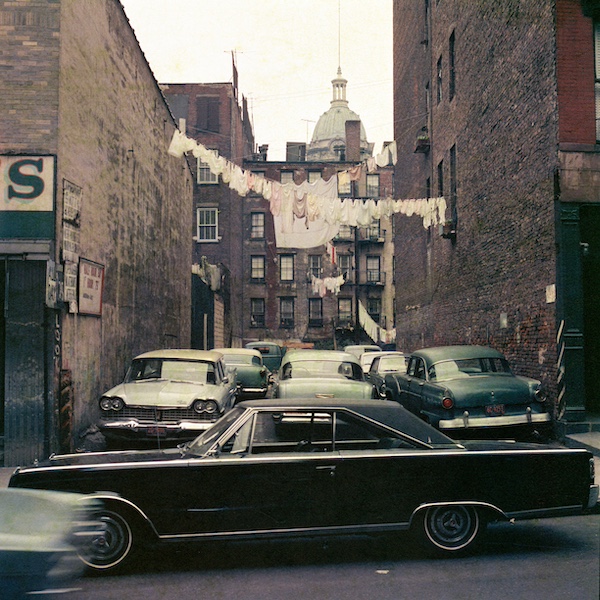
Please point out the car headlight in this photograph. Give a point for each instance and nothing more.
(211, 407)
(107, 403)
(205, 406)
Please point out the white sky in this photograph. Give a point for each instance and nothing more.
(286, 53)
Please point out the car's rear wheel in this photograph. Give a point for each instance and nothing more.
(112, 545)
(452, 529)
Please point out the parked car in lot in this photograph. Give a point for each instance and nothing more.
(460, 389)
(383, 366)
(252, 377)
(321, 374)
(304, 467)
(358, 349)
(367, 358)
(39, 534)
(168, 395)
(272, 353)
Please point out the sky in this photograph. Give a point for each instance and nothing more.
(286, 51)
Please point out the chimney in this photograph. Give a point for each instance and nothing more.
(353, 141)
(263, 151)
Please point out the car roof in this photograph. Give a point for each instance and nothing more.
(306, 354)
(183, 354)
(436, 354)
(387, 412)
(363, 348)
(239, 351)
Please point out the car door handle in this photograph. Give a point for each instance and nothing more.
(328, 468)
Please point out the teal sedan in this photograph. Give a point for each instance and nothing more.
(322, 374)
(252, 376)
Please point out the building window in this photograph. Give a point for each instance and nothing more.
(451, 69)
(286, 312)
(344, 185)
(257, 230)
(373, 185)
(440, 177)
(207, 225)
(373, 269)
(207, 113)
(439, 80)
(374, 309)
(453, 183)
(286, 267)
(257, 268)
(344, 311)
(314, 265)
(205, 175)
(597, 81)
(286, 177)
(257, 312)
(314, 176)
(315, 312)
(344, 263)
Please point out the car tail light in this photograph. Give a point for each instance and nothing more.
(539, 395)
(447, 402)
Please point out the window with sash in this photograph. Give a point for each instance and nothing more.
(344, 310)
(257, 230)
(315, 266)
(315, 312)
(207, 225)
(286, 312)
(286, 267)
(257, 312)
(257, 268)
(204, 175)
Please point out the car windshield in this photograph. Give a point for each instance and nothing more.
(202, 444)
(324, 368)
(392, 363)
(143, 369)
(454, 369)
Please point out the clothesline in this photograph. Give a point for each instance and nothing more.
(308, 215)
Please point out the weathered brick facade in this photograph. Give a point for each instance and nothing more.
(76, 84)
(498, 87)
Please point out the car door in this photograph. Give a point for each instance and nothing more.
(378, 478)
(266, 477)
(412, 396)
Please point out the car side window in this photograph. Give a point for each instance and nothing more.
(352, 433)
(374, 366)
(418, 368)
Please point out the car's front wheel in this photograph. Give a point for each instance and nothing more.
(111, 545)
(451, 529)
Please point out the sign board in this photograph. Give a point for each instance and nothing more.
(91, 285)
(27, 192)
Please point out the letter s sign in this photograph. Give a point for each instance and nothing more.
(33, 184)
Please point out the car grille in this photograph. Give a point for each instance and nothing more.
(151, 415)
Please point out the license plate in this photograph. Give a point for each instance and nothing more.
(494, 410)
(157, 431)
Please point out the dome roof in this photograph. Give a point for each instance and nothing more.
(330, 131)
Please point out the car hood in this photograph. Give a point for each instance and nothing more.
(476, 390)
(332, 388)
(162, 392)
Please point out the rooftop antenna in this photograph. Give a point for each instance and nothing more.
(307, 122)
(339, 34)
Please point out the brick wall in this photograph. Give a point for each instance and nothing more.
(489, 285)
(77, 85)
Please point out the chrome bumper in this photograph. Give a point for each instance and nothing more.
(465, 421)
(142, 428)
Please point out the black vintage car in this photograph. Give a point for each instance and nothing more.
(307, 467)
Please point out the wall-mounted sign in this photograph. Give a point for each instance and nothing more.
(27, 192)
(91, 285)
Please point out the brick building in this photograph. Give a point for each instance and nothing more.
(94, 226)
(496, 108)
(215, 115)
